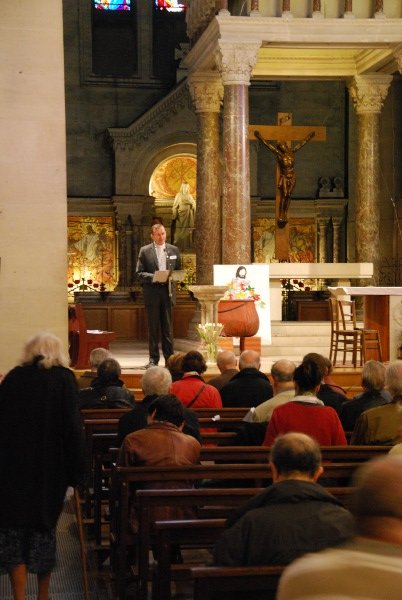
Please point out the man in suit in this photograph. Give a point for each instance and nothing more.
(158, 297)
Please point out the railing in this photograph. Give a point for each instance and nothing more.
(200, 12)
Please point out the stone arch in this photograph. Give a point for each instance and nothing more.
(147, 162)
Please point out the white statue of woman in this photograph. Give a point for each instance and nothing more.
(184, 217)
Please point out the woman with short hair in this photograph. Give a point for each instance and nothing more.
(41, 455)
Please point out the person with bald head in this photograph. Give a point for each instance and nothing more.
(292, 516)
(227, 365)
(284, 390)
(249, 387)
(370, 565)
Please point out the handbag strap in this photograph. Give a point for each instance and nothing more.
(196, 396)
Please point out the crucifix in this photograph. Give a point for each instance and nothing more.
(284, 134)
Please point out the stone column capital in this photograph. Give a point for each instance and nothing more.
(206, 92)
(368, 92)
(236, 62)
(398, 58)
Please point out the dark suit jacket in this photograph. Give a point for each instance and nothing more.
(147, 264)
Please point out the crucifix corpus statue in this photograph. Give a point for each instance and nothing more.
(284, 133)
(285, 156)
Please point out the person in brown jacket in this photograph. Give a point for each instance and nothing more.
(162, 443)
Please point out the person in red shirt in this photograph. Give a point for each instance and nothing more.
(305, 413)
(191, 389)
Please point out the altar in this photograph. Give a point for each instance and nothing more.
(340, 274)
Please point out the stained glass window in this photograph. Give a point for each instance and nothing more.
(112, 4)
(170, 5)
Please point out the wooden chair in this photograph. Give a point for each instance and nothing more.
(86, 339)
(345, 337)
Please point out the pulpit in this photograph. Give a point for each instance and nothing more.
(82, 340)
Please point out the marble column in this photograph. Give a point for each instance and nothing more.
(368, 93)
(207, 94)
(322, 239)
(336, 224)
(235, 62)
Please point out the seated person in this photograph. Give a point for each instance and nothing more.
(373, 381)
(191, 389)
(292, 516)
(329, 393)
(175, 365)
(282, 372)
(369, 565)
(162, 443)
(252, 431)
(227, 365)
(155, 382)
(305, 412)
(250, 387)
(96, 356)
(107, 389)
(380, 426)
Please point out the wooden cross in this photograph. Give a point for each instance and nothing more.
(285, 133)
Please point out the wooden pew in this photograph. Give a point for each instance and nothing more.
(229, 411)
(207, 504)
(261, 453)
(90, 414)
(126, 480)
(209, 581)
(202, 533)
(104, 454)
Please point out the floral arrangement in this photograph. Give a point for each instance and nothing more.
(294, 285)
(241, 289)
(209, 334)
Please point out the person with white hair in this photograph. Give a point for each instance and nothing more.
(41, 455)
(155, 382)
(380, 426)
(96, 356)
(374, 394)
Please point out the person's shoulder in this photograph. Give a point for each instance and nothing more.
(379, 410)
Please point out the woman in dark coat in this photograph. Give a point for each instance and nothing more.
(41, 454)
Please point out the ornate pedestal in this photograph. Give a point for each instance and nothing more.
(208, 296)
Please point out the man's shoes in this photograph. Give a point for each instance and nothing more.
(150, 364)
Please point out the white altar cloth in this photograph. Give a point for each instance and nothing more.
(339, 273)
(370, 290)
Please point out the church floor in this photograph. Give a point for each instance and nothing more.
(66, 582)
